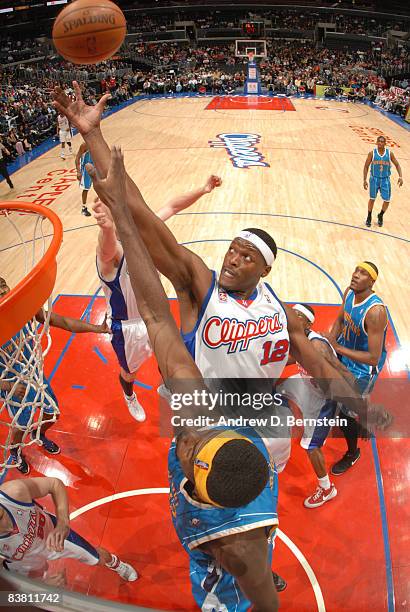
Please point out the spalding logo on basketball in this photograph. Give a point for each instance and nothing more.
(89, 31)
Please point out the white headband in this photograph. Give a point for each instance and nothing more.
(260, 244)
(309, 315)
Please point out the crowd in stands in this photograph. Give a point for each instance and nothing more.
(19, 50)
(285, 19)
(27, 116)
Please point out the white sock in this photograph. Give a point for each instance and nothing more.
(324, 482)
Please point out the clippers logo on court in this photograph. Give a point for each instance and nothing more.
(241, 149)
(236, 334)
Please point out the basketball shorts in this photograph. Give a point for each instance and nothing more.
(32, 400)
(315, 431)
(85, 181)
(65, 136)
(130, 343)
(381, 185)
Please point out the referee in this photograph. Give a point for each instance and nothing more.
(3, 166)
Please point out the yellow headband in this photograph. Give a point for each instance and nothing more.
(369, 269)
(203, 461)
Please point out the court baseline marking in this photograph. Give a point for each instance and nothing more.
(165, 491)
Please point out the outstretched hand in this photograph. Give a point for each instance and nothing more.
(212, 182)
(112, 189)
(85, 118)
(102, 215)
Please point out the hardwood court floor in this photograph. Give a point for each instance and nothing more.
(310, 198)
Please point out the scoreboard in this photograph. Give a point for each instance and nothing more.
(253, 29)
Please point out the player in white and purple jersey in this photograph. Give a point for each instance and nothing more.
(31, 537)
(316, 409)
(129, 335)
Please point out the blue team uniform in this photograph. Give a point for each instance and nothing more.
(380, 170)
(33, 394)
(85, 182)
(354, 337)
(196, 523)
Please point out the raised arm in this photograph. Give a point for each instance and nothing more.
(366, 169)
(184, 201)
(109, 249)
(173, 358)
(398, 168)
(186, 271)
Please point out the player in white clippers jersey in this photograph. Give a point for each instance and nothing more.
(30, 536)
(310, 398)
(129, 338)
(249, 258)
(64, 134)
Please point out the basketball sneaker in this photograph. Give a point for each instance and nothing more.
(279, 582)
(48, 445)
(62, 155)
(345, 463)
(85, 212)
(135, 408)
(126, 571)
(320, 496)
(380, 220)
(24, 467)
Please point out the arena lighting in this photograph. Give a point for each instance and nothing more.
(6, 10)
(53, 2)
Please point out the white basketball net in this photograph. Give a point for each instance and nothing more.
(27, 403)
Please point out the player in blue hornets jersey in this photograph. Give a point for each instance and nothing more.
(219, 479)
(83, 157)
(358, 336)
(9, 378)
(379, 160)
(205, 528)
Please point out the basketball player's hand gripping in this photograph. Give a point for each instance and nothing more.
(85, 118)
(55, 539)
(112, 189)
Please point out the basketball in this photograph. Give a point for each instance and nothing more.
(89, 31)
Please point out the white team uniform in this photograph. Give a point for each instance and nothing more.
(24, 550)
(64, 129)
(232, 340)
(129, 334)
(305, 392)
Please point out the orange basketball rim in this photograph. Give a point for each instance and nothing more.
(22, 302)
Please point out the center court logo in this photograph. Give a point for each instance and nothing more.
(241, 149)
